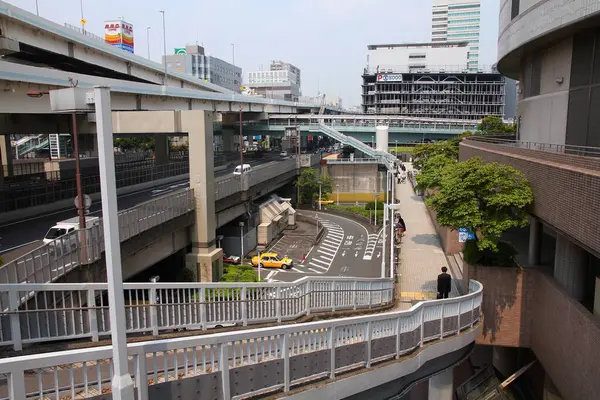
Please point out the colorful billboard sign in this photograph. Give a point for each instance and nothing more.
(389, 78)
(119, 34)
(180, 50)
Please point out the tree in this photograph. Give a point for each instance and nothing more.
(139, 143)
(493, 124)
(489, 199)
(308, 182)
(423, 152)
(430, 174)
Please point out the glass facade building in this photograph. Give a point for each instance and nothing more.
(458, 20)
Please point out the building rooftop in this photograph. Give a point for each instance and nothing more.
(421, 44)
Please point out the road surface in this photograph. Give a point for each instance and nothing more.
(346, 250)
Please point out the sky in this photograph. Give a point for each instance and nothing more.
(326, 39)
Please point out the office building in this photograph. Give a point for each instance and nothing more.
(431, 80)
(192, 60)
(551, 306)
(281, 81)
(457, 20)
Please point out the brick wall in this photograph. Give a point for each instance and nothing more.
(507, 294)
(527, 308)
(449, 238)
(566, 339)
(566, 188)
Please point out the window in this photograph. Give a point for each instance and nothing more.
(514, 12)
(462, 6)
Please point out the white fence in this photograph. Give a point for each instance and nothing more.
(80, 310)
(244, 363)
(50, 261)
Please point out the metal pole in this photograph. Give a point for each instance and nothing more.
(259, 265)
(242, 242)
(164, 45)
(338, 194)
(375, 216)
(385, 211)
(122, 385)
(392, 259)
(81, 8)
(148, 40)
(80, 209)
(319, 195)
(233, 54)
(37, 8)
(396, 148)
(241, 152)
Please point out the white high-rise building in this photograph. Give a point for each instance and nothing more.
(457, 21)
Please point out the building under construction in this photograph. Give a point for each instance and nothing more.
(430, 80)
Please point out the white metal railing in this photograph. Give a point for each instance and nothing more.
(60, 311)
(228, 185)
(353, 161)
(221, 363)
(50, 261)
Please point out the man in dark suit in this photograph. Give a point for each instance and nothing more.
(444, 284)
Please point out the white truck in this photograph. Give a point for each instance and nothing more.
(67, 226)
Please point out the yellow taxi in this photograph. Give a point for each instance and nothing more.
(325, 202)
(272, 260)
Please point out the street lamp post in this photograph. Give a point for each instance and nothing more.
(122, 384)
(396, 148)
(148, 40)
(37, 8)
(337, 187)
(164, 45)
(233, 55)
(319, 195)
(82, 19)
(241, 241)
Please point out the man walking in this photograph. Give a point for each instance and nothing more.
(444, 284)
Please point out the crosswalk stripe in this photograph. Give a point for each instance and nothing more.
(327, 252)
(328, 246)
(319, 261)
(316, 272)
(317, 266)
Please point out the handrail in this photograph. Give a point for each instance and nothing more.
(586, 151)
(64, 311)
(295, 354)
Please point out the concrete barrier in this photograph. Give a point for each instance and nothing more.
(316, 238)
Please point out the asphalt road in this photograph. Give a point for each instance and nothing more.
(31, 230)
(346, 250)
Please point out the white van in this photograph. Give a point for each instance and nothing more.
(67, 226)
(246, 168)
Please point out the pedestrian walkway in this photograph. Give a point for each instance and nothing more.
(421, 254)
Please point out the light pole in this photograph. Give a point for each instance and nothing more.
(233, 55)
(164, 45)
(319, 195)
(396, 148)
(241, 241)
(148, 40)
(37, 8)
(392, 202)
(82, 19)
(122, 384)
(337, 187)
(375, 216)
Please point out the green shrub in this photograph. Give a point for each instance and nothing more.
(371, 205)
(503, 257)
(358, 210)
(238, 273)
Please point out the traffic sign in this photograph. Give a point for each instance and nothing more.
(87, 202)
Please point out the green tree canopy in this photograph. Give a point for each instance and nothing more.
(309, 181)
(492, 124)
(487, 198)
(423, 152)
(430, 174)
(141, 143)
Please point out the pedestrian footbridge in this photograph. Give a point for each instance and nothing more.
(344, 356)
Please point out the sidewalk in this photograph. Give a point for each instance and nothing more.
(421, 254)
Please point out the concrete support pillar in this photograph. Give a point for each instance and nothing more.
(536, 230)
(6, 155)
(570, 266)
(161, 149)
(228, 142)
(597, 297)
(205, 260)
(441, 385)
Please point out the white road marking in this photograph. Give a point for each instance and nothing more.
(317, 266)
(319, 261)
(371, 244)
(328, 246)
(327, 252)
(316, 272)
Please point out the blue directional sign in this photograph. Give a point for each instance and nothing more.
(465, 234)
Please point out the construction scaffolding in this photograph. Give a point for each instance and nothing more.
(462, 95)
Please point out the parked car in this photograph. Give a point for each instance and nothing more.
(283, 154)
(235, 260)
(272, 260)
